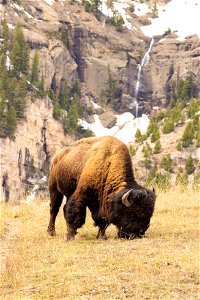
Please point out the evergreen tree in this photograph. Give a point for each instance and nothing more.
(19, 97)
(152, 174)
(138, 136)
(193, 107)
(3, 115)
(168, 125)
(189, 165)
(64, 35)
(119, 21)
(198, 139)
(19, 53)
(6, 37)
(11, 121)
(64, 99)
(166, 163)
(3, 74)
(155, 135)
(34, 78)
(182, 179)
(188, 135)
(111, 87)
(158, 147)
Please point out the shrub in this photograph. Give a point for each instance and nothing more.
(189, 165)
(193, 107)
(155, 135)
(168, 125)
(182, 179)
(132, 150)
(158, 147)
(162, 180)
(138, 136)
(188, 135)
(166, 163)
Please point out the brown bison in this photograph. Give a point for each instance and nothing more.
(97, 173)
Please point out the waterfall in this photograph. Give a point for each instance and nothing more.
(144, 62)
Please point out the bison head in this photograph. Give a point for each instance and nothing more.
(132, 212)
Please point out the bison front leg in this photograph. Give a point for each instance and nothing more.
(55, 203)
(101, 222)
(75, 214)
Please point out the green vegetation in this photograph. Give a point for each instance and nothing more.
(138, 136)
(188, 135)
(14, 58)
(168, 125)
(132, 150)
(158, 147)
(166, 163)
(147, 151)
(189, 166)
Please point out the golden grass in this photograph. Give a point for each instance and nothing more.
(163, 265)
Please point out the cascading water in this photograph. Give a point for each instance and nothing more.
(144, 62)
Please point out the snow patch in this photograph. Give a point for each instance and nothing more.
(11, 26)
(125, 128)
(179, 16)
(140, 8)
(95, 105)
(120, 7)
(49, 2)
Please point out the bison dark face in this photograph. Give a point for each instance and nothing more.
(132, 212)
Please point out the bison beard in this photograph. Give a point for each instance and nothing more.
(97, 173)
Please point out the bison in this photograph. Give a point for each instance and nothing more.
(97, 173)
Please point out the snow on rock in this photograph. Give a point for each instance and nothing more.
(50, 2)
(124, 129)
(140, 8)
(120, 7)
(95, 105)
(11, 26)
(179, 16)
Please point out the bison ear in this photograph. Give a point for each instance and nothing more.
(125, 198)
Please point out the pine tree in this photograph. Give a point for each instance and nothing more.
(193, 107)
(158, 147)
(34, 78)
(155, 134)
(189, 165)
(138, 136)
(3, 115)
(19, 53)
(188, 135)
(11, 121)
(64, 99)
(166, 163)
(168, 125)
(19, 97)
(64, 35)
(3, 73)
(111, 87)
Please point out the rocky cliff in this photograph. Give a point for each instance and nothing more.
(73, 44)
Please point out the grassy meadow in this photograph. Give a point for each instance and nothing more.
(162, 265)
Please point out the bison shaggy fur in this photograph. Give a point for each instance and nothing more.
(97, 173)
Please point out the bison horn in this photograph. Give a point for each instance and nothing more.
(125, 199)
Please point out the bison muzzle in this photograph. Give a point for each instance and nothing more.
(97, 173)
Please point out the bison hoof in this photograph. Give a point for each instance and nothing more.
(51, 232)
(69, 238)
(102, 237)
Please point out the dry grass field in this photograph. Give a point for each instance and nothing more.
(162, 265)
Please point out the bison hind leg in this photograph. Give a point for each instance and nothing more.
(56, 201)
